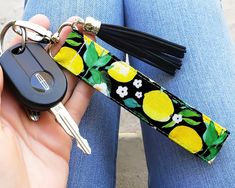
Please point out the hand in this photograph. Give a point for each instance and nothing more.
(36, 154)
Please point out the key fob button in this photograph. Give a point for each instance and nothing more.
(42, 81)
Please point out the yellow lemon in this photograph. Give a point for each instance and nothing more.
(70, 59)
(100, 50)
(158, 106)
(187, 138)
(122, 72)
(218, 128)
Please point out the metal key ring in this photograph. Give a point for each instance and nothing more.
(4, 31)
(56, 36)
(23, 40)
(35, 32)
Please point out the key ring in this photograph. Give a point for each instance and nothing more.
(23, 40)
(35, 32)
(38, 33)
(56, 36)
(22, 32)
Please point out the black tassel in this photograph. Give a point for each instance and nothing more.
(153, 50)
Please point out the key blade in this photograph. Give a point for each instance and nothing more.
(69, 125)
(82, 143)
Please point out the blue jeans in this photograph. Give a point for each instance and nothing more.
(205, 81)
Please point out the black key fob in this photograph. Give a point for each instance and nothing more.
(36, 79)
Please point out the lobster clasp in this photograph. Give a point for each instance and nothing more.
(35, 32)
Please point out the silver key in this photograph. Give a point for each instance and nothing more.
(69, 125)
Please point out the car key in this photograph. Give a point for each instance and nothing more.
(40, 85)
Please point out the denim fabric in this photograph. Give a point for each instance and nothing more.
(205, 81)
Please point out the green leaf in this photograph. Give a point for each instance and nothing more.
(221, 138)
(168, 125)
(102, 61)
(210, 135)
(189, 113)
(90, 56)
(102, 54)
(91, 81)
(105, 77)
(73, 43)
(108, 67)
(213, 152)
(96, 76)
(131, 103)
(73, 35)
(191, 122)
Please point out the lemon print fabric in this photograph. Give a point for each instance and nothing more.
(141, 96)
(158, 106)
(219, 129)
(69, 58)
(187, 137)
(100, 50)
(122, 72)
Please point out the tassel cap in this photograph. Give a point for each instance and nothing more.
(92, 25)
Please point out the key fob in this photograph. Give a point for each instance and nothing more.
(36, 79)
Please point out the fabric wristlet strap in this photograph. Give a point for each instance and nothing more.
(141, 96)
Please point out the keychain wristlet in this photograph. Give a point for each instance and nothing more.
(143, 97)
(125, 85)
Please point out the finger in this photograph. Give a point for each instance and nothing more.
(79, 100)
(63, 35)
(39, 19)
(72, 82)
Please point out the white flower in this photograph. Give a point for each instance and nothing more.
(102, 88)
(177, 118)
(137, 83)
(122, 91)
(138, 94)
